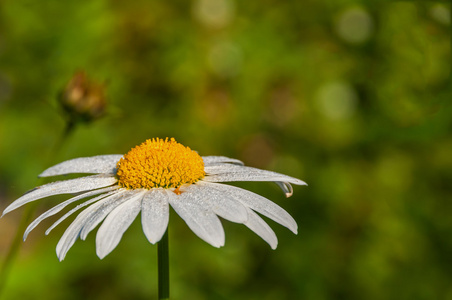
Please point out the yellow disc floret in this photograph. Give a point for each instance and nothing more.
(159, 163)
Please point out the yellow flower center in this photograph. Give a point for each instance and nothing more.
(159, 163)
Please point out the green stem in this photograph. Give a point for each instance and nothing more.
(163, 267)
(28, 214)
(15, 245)
(68, 130)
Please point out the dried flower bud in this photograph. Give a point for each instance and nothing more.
(82, 99)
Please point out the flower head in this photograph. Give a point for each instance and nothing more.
(150, 178)
(82, 99)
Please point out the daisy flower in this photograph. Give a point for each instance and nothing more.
(148, 179)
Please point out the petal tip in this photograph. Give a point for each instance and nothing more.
(293, 227)
(61, 256)
(7, 210)
(154, 240)
(101, 252)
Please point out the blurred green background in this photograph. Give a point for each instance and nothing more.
(350, 96)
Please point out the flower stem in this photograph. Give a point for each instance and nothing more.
(15, 245)
(27, 216)
(163, 267)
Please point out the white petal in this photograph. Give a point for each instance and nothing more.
(105, 210)
(286, 187)
(105, 164)
(56, 209)
(155, 214)
(260, 204)
(199, 217)
(73, 231)
(229, 172)
(63, 187)
(117, 222)
(220, 203)
(215, 160)
(256, 224)
(81, 205)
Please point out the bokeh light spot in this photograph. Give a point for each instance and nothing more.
(354, 25)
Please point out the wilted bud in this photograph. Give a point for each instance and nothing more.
(82, 99)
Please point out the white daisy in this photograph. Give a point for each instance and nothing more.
(148, 179)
